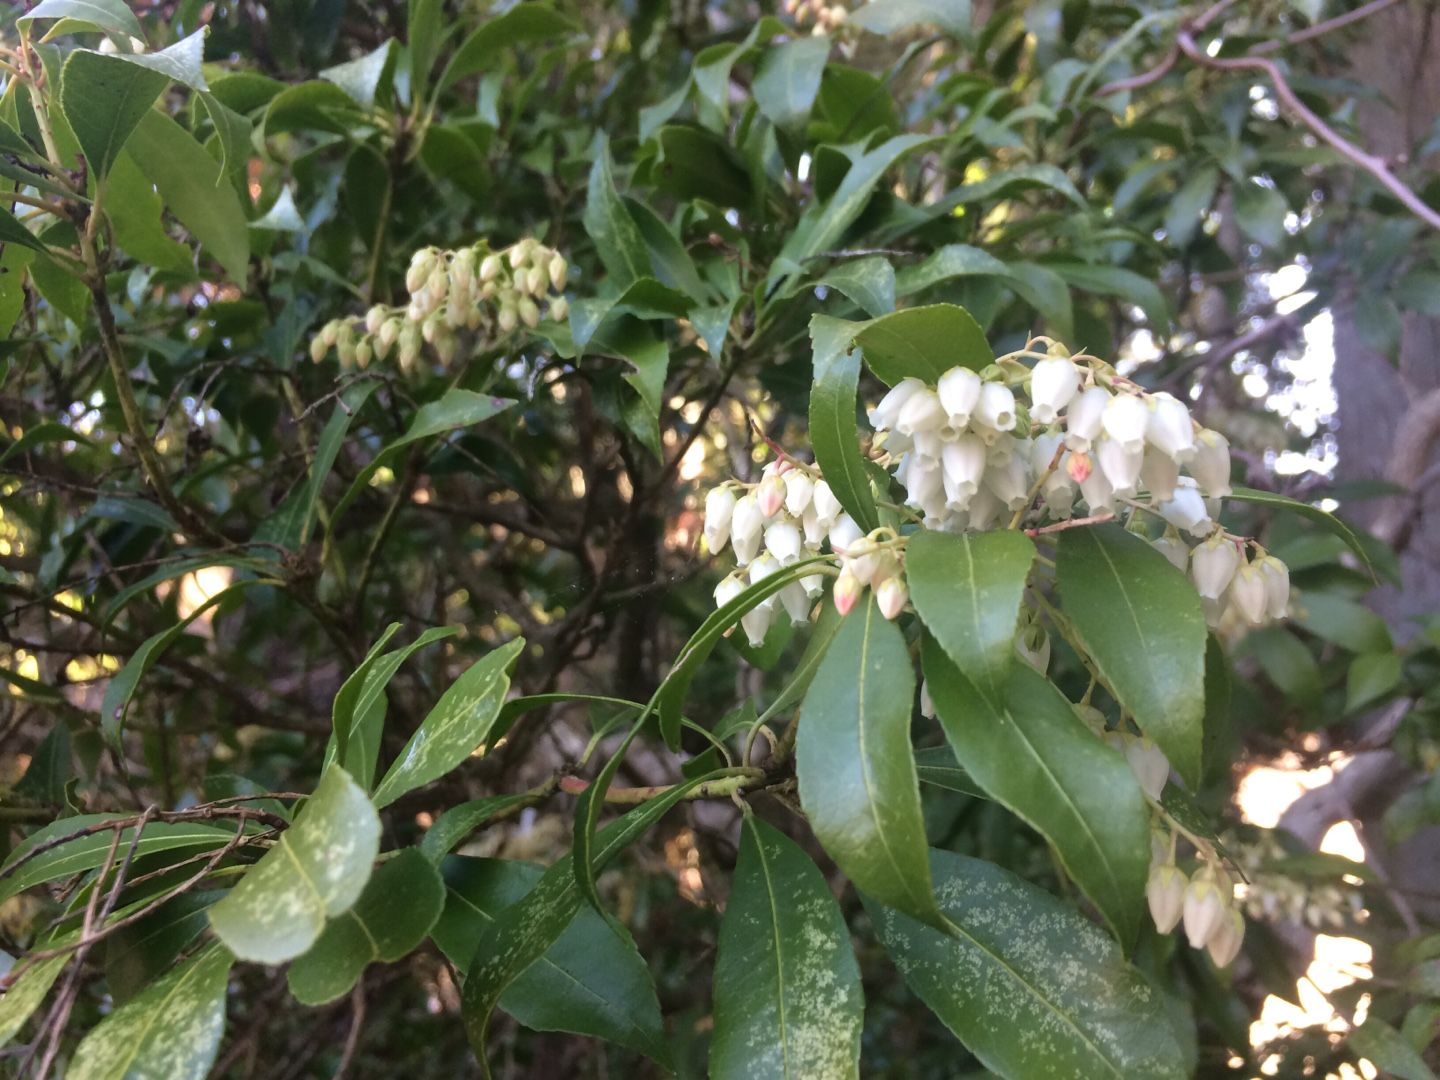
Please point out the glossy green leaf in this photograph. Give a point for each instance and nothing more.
(936, 766)
(460, 721)
(968, 588)
(1027, 983)
(26, 994)
(42, 434)
(425, 30)
(188, 179)
(924, 343)
(869, 282)
(616, 237)
(50, 768)
(180, 62)
(1323, 518)
(172, 1030)
(855, 765)
(454, 410)
(315, 872)
(104, 98)
(1030, 752)
(1117, 281)
(1286, 662)
(1261, 212)
(232, 132)
(139, 954)
(458, 822)
(521, 24)
(1141, 622)
(1370, 678)
(394, 914)
(1184, 210)
(13, 232)
(788, 79)
(892, 16)
(1342, 621)
(833, 426)
(524, 931)
(1018, 178)
(946, 264)
(111, 15)
(698, 164)
(590, 980)
(136, 213)
(788, 1000)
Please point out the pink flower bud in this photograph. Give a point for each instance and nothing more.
(770, 496)
(847, 591)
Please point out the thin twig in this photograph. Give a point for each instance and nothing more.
(1310, 33)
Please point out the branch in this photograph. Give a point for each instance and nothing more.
(1375, 166)
(1309, 34)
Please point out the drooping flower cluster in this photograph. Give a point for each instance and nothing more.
(470, 288)
(1204, 903)
(828, 17)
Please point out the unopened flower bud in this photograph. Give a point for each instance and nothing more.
(892, 596)
(559, 272)
(1053, 385)
(827, 506)
(1204, 910)
(520, 252)
(1213, 565)
(729, 588)
(746, 523)
(508, 318)
(529, 312)
(537, 281)
(330, 333)
(1149, 764)
(363, 353)
(1211, 464)
(422, 264)
(375, 318)
(927, 703)
(959, 392)
(318, 348)
(1248, 594)
(799, 489)
(847, 591)
(559, 309)
(1165, 893)
(1276, 576)
(490, 268)
(719, 507)
(770, 496)
(1224, 944)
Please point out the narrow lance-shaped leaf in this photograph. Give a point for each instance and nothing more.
(460, 721)
(833, 429)
(590, 981)
(458, 822)
(617, 238)
(397, 909)
(114, 16)
(315, 872)
(1323, 518)
(172, 1030)
(27, 992)
(856, 767)
(788, 1000)
(1027, 983)
(1141, 622)
(968, 589)
(1029, 751)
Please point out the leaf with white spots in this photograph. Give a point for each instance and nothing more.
(788, 1000)
(460, 721)
(25, 996)
(392, 916)
(316, 871)
(590, 981)
(1027, 983)
(170, 1032)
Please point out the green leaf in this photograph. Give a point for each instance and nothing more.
(136, 213)
(1342, 622)
(172, 1030)
(698, 164)
(84, 853)
(1183, 212)
(1028, 984)
(358, 714)
(833, 427)
(104, 98)
(788, 79)
(521, 24)
(460, 721)
(1116, 281)
(12, 232)
(924, 343)
(49, 769)
(42, 434)
(616, 237)
(1030, 752)
(1370, 678)
(361, 78)
(1141, 622)
(949, 262)
(936, 766)
(590, 981)
(855, 765)
(454, 410)
(180, 62)
(676, 269)
(888, 17)
(425, 31)
(394, 914)
(1388, 1051)
(232, 131)
(869, 282)
(139, 954)
(1287, 663)
(26, 993)
(1019, 178)
(788, 1000)
(188, 179)
(316, 871)
(1323, 518)
(647, 352)
(525, 930)
(178, 568)
(111, 15)
(968, 588)
(1260, 212)
(458, 822)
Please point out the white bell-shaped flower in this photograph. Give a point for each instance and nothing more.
(1247, 594)
(1213, 565)
(959, 390)
(884, 415)
(1041, 452)
(1084, 418)
(925, 483)
(730, 587)
(1204, 910)
(746, 527)
(782, 540)
(1121, 465)
(1174, 549)
(756, 623)
(1098, 494)
(719, 508)
(984, 510)
(813, 528)
(762, 567)
(1053, 385)
(813, 584)
(1211, 464)
(1010, 481)
(928, 445)
(1170, 428)
(1165, 893)
(770, 495)
(1276, 576)
(1186, 510)
(962, 465)
(927, 703)
(1159, 474)
(1149, 764)
(844, 533)
(996, 408)
(796, 602)
(1058, 493)
(1224, 944)
(799, 490)
(827, 506)
(921, 412)
(1125, 420)
(891, 596)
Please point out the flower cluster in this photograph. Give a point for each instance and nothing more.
(828, 17)
(470, 288)
(1204, 903)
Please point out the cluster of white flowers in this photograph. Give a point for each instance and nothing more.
(828, 17)
(1205, 904)
(471, 288)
